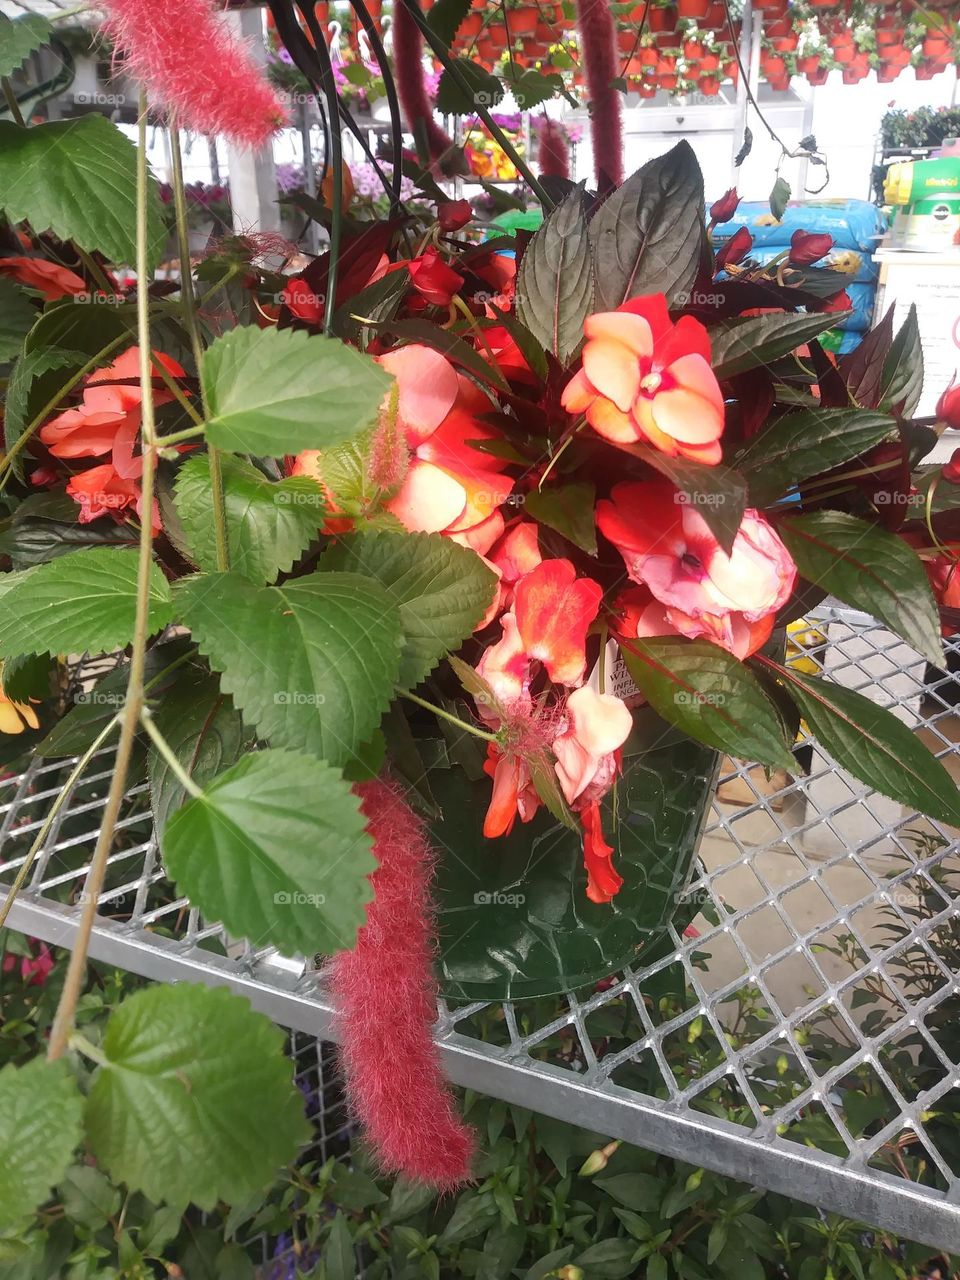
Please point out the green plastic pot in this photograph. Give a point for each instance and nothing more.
(514, 919)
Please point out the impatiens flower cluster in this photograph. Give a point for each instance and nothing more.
(49, 278)
(691, 586)
(645, 379)
(107, 422)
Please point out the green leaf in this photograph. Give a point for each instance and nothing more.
(77, 178)
(482, 89)
(873, 745)
(640, 1191)
(40, 1127)
(276, 849)
(37, 377)
(709, 694)
(611, 1260)
(339, 1262)
(442, 590)
(26, 677)
(804, 444)
(269, 524)
(271, 391)
(779, 197)
(323, 666)
(85, 601)
(902, 379)
(529, 87)
(444, 19)
(17, 314)
(377, 303)
(647, 235)
(867, 568)
(567, 508)
(739, 345)
(19, 37)
(448, 344)
(555, 282)
(719, 494)
(203, 729)
(88, 1197)
(196, 1100)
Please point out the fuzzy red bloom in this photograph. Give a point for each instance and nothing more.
(553, 150)
(411, 84)
(598, 42)
(385, 992)
(192, 66)
(808, 247)
(722, 210)
(736, 248)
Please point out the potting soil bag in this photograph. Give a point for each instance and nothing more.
(868, 272)
(853, 224)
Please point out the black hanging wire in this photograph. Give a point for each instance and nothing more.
(393, 103)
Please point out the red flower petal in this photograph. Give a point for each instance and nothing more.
(554, 609)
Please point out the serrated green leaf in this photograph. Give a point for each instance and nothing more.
(709, 694)
(779, 196)
(531, 87)
(324, 663)
(85, 601)
(482, 89)
(88, 1196)
(271, 391)
(444, 19)
(568, 508)
(269, 523)
(646, 236)
(739, 345)
(19, 37)
(40, 1127)
(276, 849)
(17, 314)
(196, 1101)
(804, 444)
(442, 590)
(555, 283)
(872, 744)
(902, 379)
(77, 178)
(204, 731)
(867, 568)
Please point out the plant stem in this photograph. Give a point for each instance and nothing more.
(12, 103)
(83, 1045)
(193, 329)
(177, 392)
(21, 441)
(54, 809)
(130, 716)
(96, 271)
(188, 433)
(165, 751)
(446, 715)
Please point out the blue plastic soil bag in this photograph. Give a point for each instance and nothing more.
(868, 271)
(853, 224)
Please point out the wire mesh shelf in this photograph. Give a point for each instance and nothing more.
(802, 1036)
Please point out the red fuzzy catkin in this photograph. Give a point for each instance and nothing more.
(191, 66)
(411, 83)
(385, 992)
(553, 150)
(598, 46)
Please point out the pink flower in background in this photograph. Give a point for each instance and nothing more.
(667, 546)
(192, 67)
(647, 379)
(35, 968)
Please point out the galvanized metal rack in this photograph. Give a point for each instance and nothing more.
(818, 990)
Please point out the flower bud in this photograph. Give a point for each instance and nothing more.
(453, 214)
(597, 1160)
(570, 1272)
(722, 210)
(735, 250)
(948, 407)
(807, 248)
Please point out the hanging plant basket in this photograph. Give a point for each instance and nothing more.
(513, 916)
(694, 9)
(662, 19)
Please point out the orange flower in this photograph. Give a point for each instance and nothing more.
(51, 280)
(513, 792)
(16, 716)
(646, 379)
(603, 880)
(554, 610)
(103, 490)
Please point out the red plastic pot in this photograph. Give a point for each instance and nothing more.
(647, 89)
(522, 21)
(773, 67)
(887, 73)
(667, 82)
(471, 26)
(780, 83)
(774, 27)
(770, 6)
(648, 57)
(811, 62)
(662, 19)
(709, 85)
(887, 37)
(696, 9)
(692, 50)
(844, 53)
(709, 62)
(927, 70)
(665, 39)
(716, 18)
(818, 77)
(626, 40)
(730, 71)
(884, 21)
(853, 75)
(786, 44)
(666, 66)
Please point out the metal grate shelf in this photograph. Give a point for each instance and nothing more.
(805, 1040)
